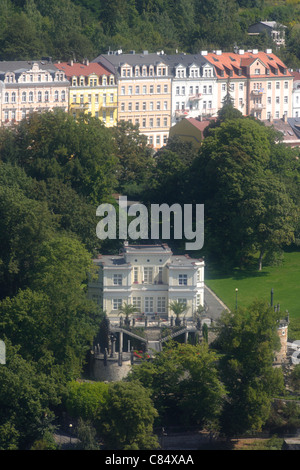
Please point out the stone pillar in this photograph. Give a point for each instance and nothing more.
(120, 359)
(121, 341)
(131, 356)
(186, 337)
(113, 347)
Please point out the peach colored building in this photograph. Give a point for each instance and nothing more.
(260, 83)
(93, 90)
(30, 86)
(144, 92)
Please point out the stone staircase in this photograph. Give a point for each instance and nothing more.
(153, 337)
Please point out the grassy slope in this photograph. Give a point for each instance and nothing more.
(284, 279)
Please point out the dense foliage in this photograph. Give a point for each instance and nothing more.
(248, 182)
(77, 29)
(54, 171)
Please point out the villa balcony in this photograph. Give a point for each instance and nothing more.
(109, 104)
(79, 105)
(195, 97)
(258, 92)
(258, 106)
(181, 112)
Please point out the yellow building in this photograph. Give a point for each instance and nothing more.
(93, 90)
(144, 92)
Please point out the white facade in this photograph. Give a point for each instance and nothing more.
(193, 87)
(149, 277)
(296, 98)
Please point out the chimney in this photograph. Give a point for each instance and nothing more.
(219, 52)
(241, 51)
(270, 118)
(203, 52)
(71, 62)
(86, 61)
(285, 117)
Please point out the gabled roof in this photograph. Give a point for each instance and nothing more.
(200, 125)
(77, 69)
(239, 63)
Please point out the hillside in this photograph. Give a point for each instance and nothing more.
(85, 28)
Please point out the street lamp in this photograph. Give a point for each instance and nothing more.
(236, 298)
(272, 297)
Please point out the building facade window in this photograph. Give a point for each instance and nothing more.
(148, 304)
(161, 304)
(117, 304)
(148, 275)
(182, 279)
(117, 279)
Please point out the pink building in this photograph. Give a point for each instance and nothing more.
(259, 82)
(30, 86)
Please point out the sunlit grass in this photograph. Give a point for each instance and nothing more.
(284, 279)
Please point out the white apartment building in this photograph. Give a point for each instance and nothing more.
(193, 86)
(149, 277)
(296, 95)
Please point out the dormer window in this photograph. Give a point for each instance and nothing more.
(137, 71)
(111, 80)
(74, 81)
(9, 78)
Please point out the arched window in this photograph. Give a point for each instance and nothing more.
(46, 95)
(31, 96)
(39, 96)
(13, 97)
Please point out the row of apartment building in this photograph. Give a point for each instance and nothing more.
(153, 90)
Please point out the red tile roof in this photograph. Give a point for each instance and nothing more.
(296, 75)
(239, 63)
(201, 125)
(78, 69)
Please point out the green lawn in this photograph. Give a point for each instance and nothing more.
(283, 279)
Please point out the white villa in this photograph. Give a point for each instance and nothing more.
(149, 277)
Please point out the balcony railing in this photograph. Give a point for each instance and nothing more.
(182, 112)
(258, 92)
(195, 97)
(109, 104)
(79, 105)
(258, 106)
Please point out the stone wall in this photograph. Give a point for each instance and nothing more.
(112, 371)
